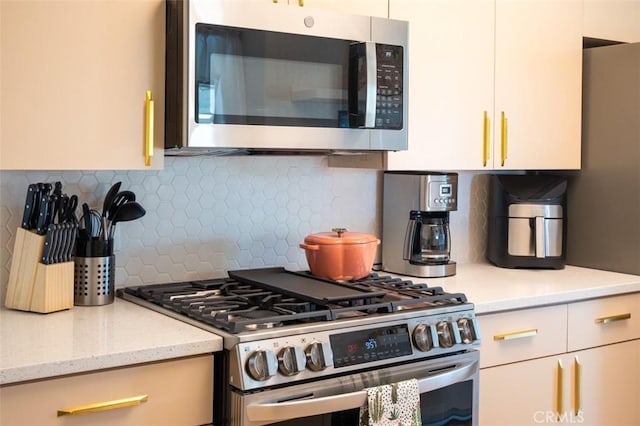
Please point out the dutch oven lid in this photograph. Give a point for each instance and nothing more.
(340, 236)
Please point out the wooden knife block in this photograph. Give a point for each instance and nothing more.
(34, 286)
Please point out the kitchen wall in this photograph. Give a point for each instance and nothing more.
(206, 215)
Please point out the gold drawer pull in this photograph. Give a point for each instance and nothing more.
(104, 406)
(504, 134)
(612, 318)
(578, 386)
(560, 390)
(148, 133)
(485, 148)
(516, 334)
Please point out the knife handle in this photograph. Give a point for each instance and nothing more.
(72, 235)
(57, 189)
(29, 206)
(44, 188)
(55, 205)
(41, 226)
(48, 246)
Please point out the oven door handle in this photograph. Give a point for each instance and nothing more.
(280, 411)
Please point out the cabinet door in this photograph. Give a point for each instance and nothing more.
(603, 321)
(538, 391)
(450, 83)
(608, 385)
(174, 392)
(591, 387)
(617, 20)
(74, 77)
(524, 334)
(538, 84)
(523, 393)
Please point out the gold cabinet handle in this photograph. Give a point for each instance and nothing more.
(301, 3)
(612, 318)
(516, 334)
(560, 389)
(485, 153)
(148, 134)
(577, 385)
(104, 406)
(504, 134)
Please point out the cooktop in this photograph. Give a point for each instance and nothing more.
(255, 299)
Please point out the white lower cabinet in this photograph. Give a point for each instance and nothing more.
(176, 392)
(608, 386)
(591, 387)
(523, 393)
(582, 367)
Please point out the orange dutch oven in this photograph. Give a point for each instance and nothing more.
(340, 255)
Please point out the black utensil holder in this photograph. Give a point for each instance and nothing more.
(94, 279)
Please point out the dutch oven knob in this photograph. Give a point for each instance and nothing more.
(339, 231)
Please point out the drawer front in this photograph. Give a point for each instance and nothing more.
(604, 321)
(524, 334)
(179, 392)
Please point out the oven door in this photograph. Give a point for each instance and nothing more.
(448, 388)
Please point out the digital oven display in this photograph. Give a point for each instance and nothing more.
(359, 347)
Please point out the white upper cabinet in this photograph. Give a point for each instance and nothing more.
(472, 61)
(74, 79)
(450, 82)
(617, 20)
(538, 84)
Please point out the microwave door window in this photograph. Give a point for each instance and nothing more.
(253, 77)
(220, 76)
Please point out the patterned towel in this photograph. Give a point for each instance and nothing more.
(397, 404)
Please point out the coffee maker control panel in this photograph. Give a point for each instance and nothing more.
(439, 192)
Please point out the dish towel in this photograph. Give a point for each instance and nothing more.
(397, 404)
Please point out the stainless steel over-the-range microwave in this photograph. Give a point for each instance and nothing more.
(262, 77)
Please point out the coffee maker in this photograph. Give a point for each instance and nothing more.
(416, 239)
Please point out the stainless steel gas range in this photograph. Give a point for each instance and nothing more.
(302, 350)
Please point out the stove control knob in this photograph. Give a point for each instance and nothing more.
(315, 357)
(291, 360)
(445, 334)
(467, 332)
(422, 338)
(262, 364)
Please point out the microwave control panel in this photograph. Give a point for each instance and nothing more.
(389, 105)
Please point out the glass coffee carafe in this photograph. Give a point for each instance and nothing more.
(427, 239)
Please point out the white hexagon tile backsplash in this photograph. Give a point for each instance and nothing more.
(206, 215)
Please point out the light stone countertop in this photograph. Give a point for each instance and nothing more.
(87, 338)
(82, 339)
(494, 289)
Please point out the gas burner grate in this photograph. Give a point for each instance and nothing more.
(418, 293)
(252, 300)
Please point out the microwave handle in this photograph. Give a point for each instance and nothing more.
(281, 411)
(372, 85)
